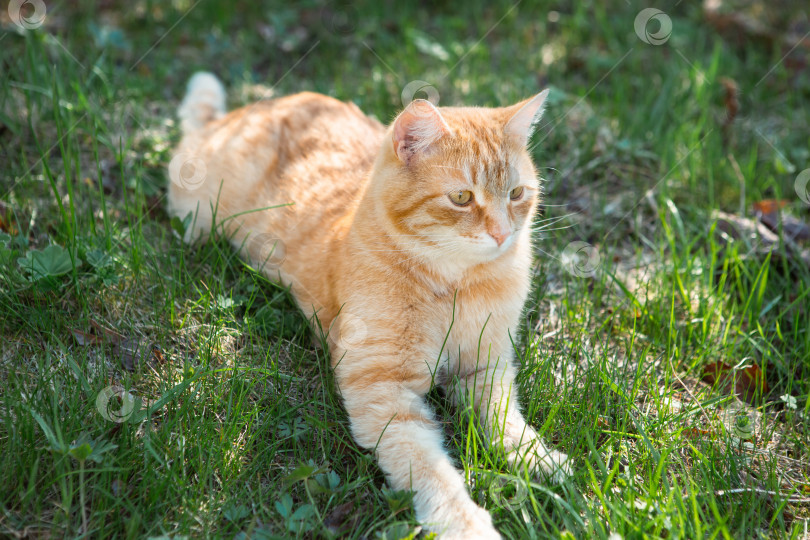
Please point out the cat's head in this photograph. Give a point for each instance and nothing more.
(458, 184)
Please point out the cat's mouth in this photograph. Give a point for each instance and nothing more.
(499, 246)
(488, 248)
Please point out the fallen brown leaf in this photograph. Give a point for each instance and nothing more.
(343, 517)
(134, 351)
(5, 225)
(111, 335)
(764, 22)
(748, 383)
(84, 338)
(758, 238)
(154, 207)
(768, 213)
(695, 433)
(731, 103)
(769, 206)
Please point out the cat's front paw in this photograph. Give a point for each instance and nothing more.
(553, 466)
(544, 463)
(465, 521)
(473, 524)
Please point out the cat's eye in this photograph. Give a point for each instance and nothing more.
(516, 193)
(460, 197)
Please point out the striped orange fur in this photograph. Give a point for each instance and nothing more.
(412, 288)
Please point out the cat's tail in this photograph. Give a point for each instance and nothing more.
(204, 102)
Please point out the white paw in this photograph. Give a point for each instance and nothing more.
(546, 464)
(468, 522)
(552, 465)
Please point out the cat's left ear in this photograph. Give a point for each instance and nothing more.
(416, 129)
(521, 125)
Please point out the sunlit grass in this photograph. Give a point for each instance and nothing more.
(237, 427)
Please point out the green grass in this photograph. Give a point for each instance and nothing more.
(238, 428)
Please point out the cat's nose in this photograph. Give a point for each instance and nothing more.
(499, 235)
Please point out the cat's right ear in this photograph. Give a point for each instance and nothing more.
(525, 116)
(416, 128)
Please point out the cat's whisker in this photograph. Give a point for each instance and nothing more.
(564, 216)
(549, 254)
(545, 225)
(542, 226)
(553, 229)
(549, 223)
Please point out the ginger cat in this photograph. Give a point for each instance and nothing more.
(410, 245)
